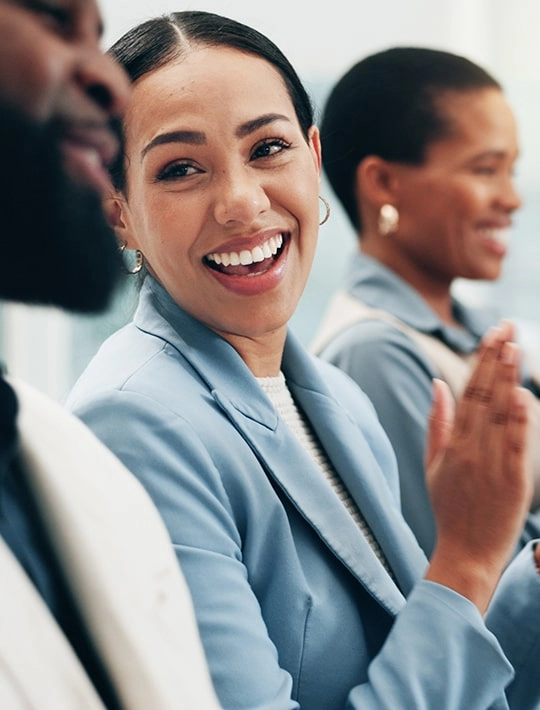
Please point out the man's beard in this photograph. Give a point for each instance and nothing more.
(57, 247)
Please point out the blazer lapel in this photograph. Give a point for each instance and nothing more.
(363, 471)
(355, 462)
(284, 459)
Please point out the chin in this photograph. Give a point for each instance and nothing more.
(483, 270)
(62, 251)
(492, 274)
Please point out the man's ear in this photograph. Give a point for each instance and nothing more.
(377, 181)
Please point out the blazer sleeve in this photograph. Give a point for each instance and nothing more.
(514, 617)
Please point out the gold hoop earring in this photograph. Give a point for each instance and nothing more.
(388, 219)
(139, 259)
(327, 212)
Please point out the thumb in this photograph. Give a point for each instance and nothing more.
(441, 421)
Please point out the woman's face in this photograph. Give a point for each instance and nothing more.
(456, 208)
(222, 190)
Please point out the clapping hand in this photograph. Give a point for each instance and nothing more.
(478, 471)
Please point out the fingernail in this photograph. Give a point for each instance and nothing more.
(491, 334)
(510, 354)
(522, 397)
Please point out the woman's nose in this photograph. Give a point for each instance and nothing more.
(509, 196)
(240, 198)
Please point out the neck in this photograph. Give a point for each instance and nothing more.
(262, 354)
(433, 287)
(442, 305)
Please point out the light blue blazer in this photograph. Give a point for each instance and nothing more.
(294, 608)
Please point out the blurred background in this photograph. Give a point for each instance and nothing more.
(50, 348)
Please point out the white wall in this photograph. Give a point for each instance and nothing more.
(323, 42)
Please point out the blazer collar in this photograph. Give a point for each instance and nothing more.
(214, 360)
(240, 397)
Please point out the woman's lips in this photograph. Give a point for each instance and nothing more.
(496, 238)
(251, 271)
(228, 262)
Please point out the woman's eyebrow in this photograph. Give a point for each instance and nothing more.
(250, 126)
(190, 137)
(199, 138)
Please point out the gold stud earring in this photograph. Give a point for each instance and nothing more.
(388, 219)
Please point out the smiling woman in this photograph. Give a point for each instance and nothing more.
(429, 138)
(214, 158)
(269, 467)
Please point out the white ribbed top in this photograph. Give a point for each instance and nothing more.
(279, 394)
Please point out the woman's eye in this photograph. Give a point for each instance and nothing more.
(485, 170)
(176, 171)
(269, 147)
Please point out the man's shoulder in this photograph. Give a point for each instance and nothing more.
(116, 554)
(60, 453)
(41, 417)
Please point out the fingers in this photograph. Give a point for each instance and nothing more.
(485, 399)
(504, 425)
(441, 420)
(517, 430)
(480, 484)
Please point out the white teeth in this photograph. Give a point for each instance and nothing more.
(257, 254)
(497, 235)
(248, 256)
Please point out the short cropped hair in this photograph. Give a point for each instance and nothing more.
(385, 105)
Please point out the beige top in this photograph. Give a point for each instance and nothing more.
(454, 368)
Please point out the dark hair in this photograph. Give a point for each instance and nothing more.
(385, 105)
(158, 41)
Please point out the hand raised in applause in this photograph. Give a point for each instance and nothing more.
(478, 471)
